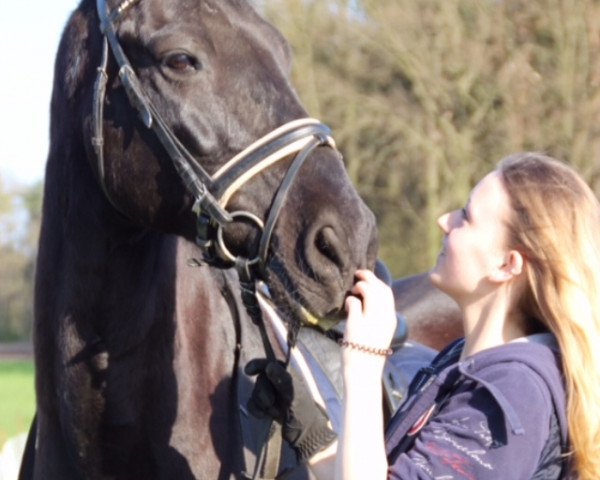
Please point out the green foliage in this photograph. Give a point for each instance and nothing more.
(17, 402)
(20, 216)
(426, 96)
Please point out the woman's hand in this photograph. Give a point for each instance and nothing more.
(371, 313)
(370, 327)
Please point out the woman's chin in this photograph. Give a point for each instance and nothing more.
(437, 280)
(435, 277)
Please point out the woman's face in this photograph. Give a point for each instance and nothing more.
(475, 242)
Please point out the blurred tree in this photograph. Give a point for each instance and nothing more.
(425, 97)
(20, 213)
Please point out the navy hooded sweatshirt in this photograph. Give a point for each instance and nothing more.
(498, 414)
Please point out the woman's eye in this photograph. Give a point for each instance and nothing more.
(181, 62)
(463, 213)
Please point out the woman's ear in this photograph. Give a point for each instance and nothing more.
(513, 266)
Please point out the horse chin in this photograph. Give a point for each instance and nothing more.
(323, 323)
(291, 312)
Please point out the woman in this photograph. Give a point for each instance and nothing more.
(522, 260)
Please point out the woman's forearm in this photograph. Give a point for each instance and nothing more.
(361, 450)
(369, 328)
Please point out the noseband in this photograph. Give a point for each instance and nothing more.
(211, 192)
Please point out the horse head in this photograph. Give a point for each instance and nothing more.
(167, 102)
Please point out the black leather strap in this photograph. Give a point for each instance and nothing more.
(281, 195)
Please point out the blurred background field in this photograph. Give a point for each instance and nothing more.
(17, 400)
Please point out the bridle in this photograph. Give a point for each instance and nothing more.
(211, 192)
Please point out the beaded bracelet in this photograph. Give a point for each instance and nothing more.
(384, 352)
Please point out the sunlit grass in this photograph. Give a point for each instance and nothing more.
(17, 398)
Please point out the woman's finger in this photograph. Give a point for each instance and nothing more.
(364, 274)
(353, 306)
(373, 293)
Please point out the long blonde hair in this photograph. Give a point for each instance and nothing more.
(556, 225)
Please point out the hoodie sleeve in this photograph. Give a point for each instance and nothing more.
(494, 426)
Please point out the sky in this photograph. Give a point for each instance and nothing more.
(29, 34)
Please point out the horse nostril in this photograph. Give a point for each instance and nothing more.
(329, 245)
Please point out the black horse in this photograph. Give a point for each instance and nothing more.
(141, 330)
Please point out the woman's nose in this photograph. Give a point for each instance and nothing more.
(443, 222)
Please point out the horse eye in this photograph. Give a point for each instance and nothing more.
(181, 62)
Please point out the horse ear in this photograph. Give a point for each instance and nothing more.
(513, 266)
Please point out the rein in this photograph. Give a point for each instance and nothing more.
(212, 192)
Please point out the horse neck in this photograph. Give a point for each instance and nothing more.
(131, 292)
(93, 258)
